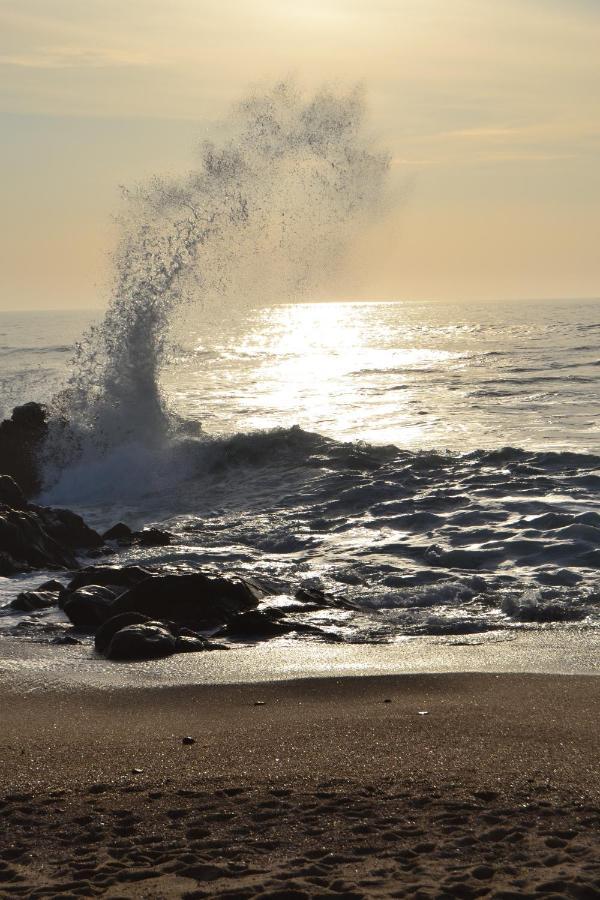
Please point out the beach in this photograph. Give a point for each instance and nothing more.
(419, 785)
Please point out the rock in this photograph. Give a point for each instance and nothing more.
(51, 585)
(317, 599)
(29, 601)
(119, 532)
(188, 740)
(8, 566)
(258, 624)
(69, 529)
(110, 576)
(150, 640)
(21, 439)
(11, 494)
(152, 537)
(108, 629)
(198, 600)
(88, 607)
(28, 540)
(187, 643)
(38, 536)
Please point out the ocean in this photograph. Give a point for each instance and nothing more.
(436, 463)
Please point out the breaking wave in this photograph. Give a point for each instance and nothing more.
(266, 213)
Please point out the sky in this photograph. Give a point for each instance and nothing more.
(490, 111)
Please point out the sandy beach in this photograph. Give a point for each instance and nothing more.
(445, 785)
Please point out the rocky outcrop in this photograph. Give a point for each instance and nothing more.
(21, 439)
(123, 536)
(136, 613)
(198, 600)
(38, 536)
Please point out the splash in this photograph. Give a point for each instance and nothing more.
(265, 215)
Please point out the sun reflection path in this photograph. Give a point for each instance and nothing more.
(334, 368)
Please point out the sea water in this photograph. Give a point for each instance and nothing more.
(437, 463)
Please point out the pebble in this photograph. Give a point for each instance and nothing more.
(188, 740)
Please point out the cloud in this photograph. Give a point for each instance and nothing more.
(73, 58)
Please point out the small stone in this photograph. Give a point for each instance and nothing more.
(423, 712)
(188, 740)
(387, 700)
(259, 703)
(136, 771)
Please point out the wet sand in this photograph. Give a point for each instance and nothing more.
(447, 785)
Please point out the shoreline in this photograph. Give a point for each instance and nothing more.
(434, 786)
(26, 666)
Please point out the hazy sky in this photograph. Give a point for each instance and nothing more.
(491, 111)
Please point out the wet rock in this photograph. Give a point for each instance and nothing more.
(152, 537)
(8, 566)
(115, 577)
(108, 629)
(313, 598)
(38, 536)
(26, 537)
(258, 624)
(195, 643)
(197, 600)
(21, 439)
(150, 640)
(29, 601)
(119, 532)
(11, 494)
(88, 607)
(51, 585)
(69, 529)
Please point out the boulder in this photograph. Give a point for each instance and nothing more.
(9, 566)
(26, 539)
(88, 607)
(152, 537)
(149, 640)
(11, 494)
(108, 629)
(117, 577)
(258, 623)
(29, 601)
(38, 536)
(188, 643)
(119, 532)
(198, 600)
(69, 529)
(21, 439)
(51, 585)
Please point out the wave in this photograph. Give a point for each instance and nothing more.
(267, 212)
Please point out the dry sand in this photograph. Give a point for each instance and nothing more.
(315, 788)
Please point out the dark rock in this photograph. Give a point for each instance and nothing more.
(110, 576)
(150, 640)
(8, 566)
(11, 494)
(119, 532)
(188, 740)
(29, 601)
(27, 539)
(258, 624)
(88, 607)
(69, 529)
(199, 600)
(51, 585)
(37, 536)
(108, 629)
(21, 439)
(187, 643)
(318, 599)
(152, 537)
